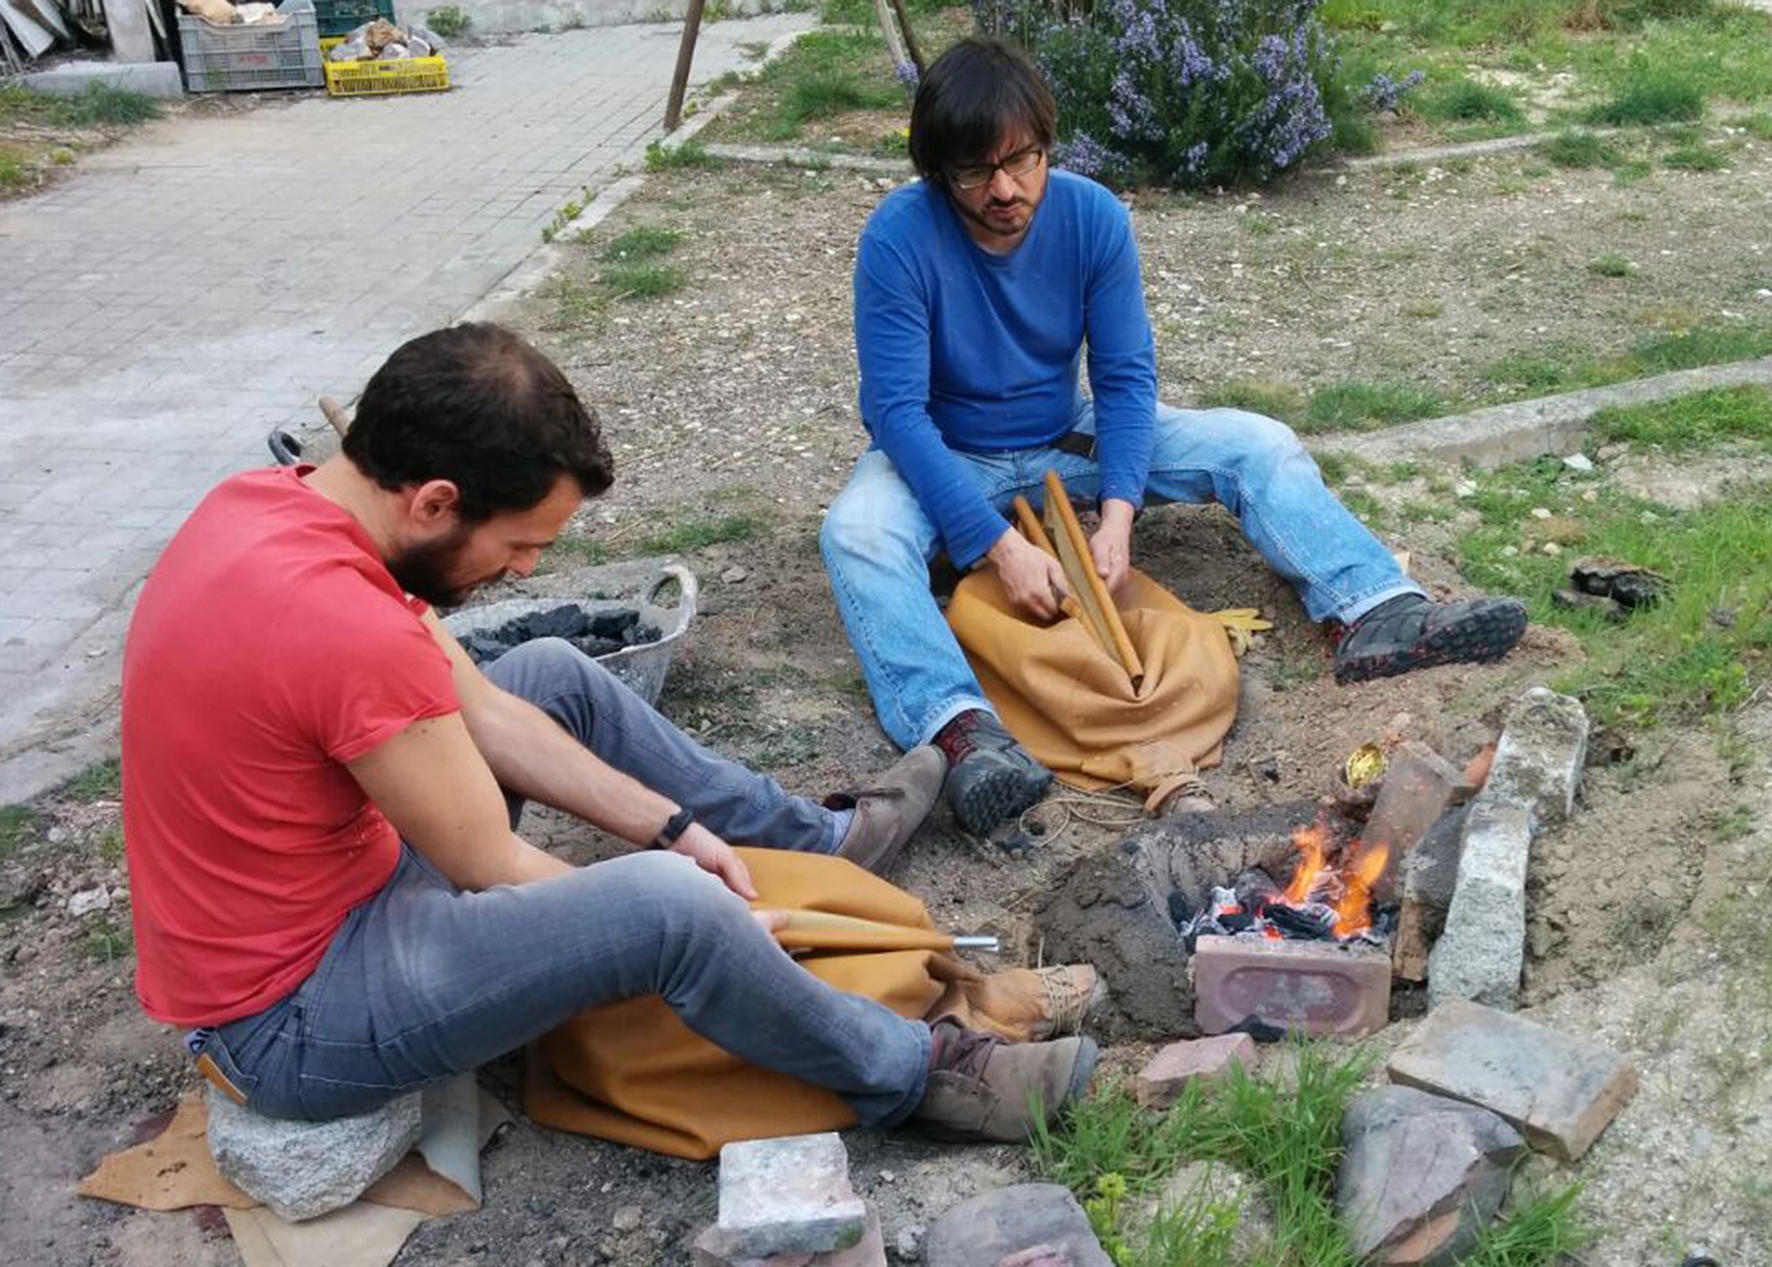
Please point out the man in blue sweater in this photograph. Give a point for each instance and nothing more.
(976, 290)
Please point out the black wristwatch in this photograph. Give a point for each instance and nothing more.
(674, 827)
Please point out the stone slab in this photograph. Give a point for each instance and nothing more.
(1482, 948)
(126, 22)
(1421, 1175)
(150, 78)
(995, 1225)
(1309, 987)
(1558, 1091)
(789, 1195)
(1168, 1072)
(1430, 879)
(302, 1170)
(1539, 758)
(711, 1251)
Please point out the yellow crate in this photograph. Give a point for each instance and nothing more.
(376, 79)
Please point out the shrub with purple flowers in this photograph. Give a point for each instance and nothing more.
(1184, 92)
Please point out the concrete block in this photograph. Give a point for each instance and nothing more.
(1162, 1080)
(304, 1169)
(1560, 1092)
(788, 1196)
(1421, 1175)
(1313, 987)
(1483, 946)
(1539, 758)
(150, 78)
(999, 1224)
(870, 1251)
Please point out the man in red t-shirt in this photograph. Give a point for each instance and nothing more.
(320, 791)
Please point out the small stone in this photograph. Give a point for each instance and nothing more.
(1763, 293)
(304, 1169)
(1464, 488)
(1508, 552)
(1551, 548)
(910, 1242)
(1541, 512)
(987, 1229)
(788, 1196)
(1421, 1175)
(1162, 1080)
(1579, 462)
(628, 1218)
(1612, 452)
(733, 575)
(1558, 1091)
(55, 835)
(86, 901)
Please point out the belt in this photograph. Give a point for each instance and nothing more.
(1078, 443)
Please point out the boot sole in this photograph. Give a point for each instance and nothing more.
(1483, 639)
(1000, 796)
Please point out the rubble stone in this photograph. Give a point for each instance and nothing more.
(711, 1250)
(1429, 879)
(1560, 1092)
(788, 1196)
(1539, 758)
(991, 1227)
(1162, 1080)
(304, 1169)
(1482, 948)
(1421, 1175)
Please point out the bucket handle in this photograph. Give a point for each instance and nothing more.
(686, 586)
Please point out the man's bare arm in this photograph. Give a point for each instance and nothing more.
(437, 791)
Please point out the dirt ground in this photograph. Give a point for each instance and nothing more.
(1648, 912)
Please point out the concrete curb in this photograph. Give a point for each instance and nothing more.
(1531, 428)
(800, 156)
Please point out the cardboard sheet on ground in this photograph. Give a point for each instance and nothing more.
(441, 1175)
(1073, 705)
(633, 1073)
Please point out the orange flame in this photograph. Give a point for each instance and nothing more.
(1353, 911)
(1349, 891)
(1312, 849)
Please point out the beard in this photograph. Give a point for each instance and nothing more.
(428, 570)
(982, 220)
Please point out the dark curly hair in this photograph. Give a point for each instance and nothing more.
(475, 405)
(976, 93)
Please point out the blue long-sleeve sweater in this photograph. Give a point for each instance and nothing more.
(964, 350)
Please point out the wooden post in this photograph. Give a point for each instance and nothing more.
(889, 30)
(910, 37)
(685, 55)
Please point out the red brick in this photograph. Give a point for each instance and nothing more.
(1161, 1081)
(1312, 986)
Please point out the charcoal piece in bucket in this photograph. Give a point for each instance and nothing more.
(559, 622)
(614, 624)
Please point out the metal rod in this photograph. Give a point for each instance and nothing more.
(989, 945)
(685, 55)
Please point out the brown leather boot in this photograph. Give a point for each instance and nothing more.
(889, 813)
(982, 1088)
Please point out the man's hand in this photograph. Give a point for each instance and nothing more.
(710, 853)
(1112, 543)
(1031, 578)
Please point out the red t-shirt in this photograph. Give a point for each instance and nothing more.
(269, 646)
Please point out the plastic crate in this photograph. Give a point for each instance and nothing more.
(341, 17)
(379, 79)
(249, 58)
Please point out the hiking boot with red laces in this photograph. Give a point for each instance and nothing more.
(991, 777)
(982, 1088)
(887, 814)
(1411, 632)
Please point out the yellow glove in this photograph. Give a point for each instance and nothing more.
(1239, 623)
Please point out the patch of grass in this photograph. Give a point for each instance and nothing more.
(1609, 265)
(108, 941)
(102, 105)
(1358, 406)
(1702, 345)
(689, 155)
(1701, 420)
(823, 94)
(1696, 158)
(643, 242)
(1258, 396)
(698, 534)
(1566, 367)
(110, 845)
(17, 171)
(1668, 662)
(1652, 94)
(1756, 125)
(1467, 101)
(643, 281)
(100, 781)
(449, 20)
(576, 307)
(824, 74)
(16, 826)
(1574, 149)
(1542, 1231)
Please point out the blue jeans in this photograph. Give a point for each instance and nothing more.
(877, 543)
(423, 981)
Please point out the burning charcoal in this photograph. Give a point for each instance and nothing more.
(614, 624)
(1255, 889)
(1181, 911)
(1241, 922)
(1301, 925)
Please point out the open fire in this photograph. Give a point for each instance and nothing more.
(1328, 898)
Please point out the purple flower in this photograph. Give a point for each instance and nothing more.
(907, 75)
(1384, 94)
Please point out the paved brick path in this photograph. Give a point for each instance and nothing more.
(206, 280)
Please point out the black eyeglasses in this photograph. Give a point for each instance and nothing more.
(1019, 164)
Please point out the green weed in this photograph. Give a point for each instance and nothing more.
(449, 20)
(1568, 368)
(1756, 125)
(698, 534)
(643, 242)
(1609, 265)
(1258, 396)
(1578, 150)
(1652, 94)
(1544, 1230)
(17, 824)
(110, 845)
(100, 781)
(1467, 101)
(689, 155)
(823, 94)
(643, 281)
(16, 169)
(1695, 158)
(1701, 420)
(576, 306)
(107, 942)
(1357, 406)
(102, 105)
